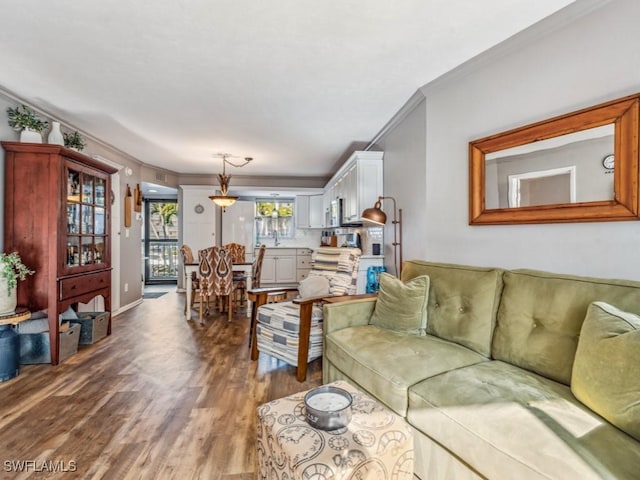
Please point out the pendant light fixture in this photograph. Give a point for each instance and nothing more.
(224, 200)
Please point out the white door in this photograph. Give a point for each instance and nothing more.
(198, 217)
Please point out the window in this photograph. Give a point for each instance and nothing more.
(274, 219)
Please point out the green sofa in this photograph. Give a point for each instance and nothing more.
(486, 381)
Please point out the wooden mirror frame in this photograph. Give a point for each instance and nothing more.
(624, 113)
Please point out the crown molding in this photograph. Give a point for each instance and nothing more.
(12, 96)
(409, 106)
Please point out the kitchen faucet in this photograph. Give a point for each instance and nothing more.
(274, 223)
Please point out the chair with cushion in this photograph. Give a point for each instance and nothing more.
(292, 331)
(238, 255)
(187, 257)
(216, 278)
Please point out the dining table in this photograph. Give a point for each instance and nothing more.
(244, 267)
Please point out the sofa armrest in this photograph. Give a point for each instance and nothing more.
(347, 314)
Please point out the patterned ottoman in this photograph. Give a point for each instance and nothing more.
(376, 445)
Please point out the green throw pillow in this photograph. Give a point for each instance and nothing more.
(605, 371)
(402, 306)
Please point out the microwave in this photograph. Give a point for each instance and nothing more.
(335, 215)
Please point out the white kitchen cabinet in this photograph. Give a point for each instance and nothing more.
(302, 211)
(316, 212)
(279, 266)
(327, 198)
(303, 263)
(350, 202)
(362, 184)
(358, 183)
(309, 211)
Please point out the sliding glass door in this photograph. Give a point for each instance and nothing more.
(161, 241)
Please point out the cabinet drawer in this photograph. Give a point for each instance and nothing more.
(303, 262)
(302, 274)
(304, 252)
(75, 286)
(280, 252)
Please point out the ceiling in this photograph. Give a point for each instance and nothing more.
(295, 84)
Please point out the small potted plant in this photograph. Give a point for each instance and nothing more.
(11, 270)
(24, 120)
(74, 141)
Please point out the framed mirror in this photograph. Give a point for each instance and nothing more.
(578, 167)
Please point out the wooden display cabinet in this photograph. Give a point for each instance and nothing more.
(57, 217)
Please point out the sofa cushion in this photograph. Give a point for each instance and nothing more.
(463, 301)
(402, 306)
(511, 423)
(541, 314)
(605, 370)
(386, 363)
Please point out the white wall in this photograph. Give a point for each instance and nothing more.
(586, 61)
(404, 179)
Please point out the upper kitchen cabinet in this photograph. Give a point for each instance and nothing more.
(358, 184)
(310, 211)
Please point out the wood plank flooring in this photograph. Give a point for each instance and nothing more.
(161, 398)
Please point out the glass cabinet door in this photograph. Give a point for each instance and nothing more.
(86, 218)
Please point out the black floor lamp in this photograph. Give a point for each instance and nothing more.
(377, 216)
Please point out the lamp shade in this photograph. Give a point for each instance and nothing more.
(375, 214)
(223, 200)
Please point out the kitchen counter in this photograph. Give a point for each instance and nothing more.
(271, 247)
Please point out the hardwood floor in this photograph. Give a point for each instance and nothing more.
(160, 398)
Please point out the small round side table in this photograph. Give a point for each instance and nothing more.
(10, 344)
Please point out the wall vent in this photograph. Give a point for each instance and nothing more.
(161, 177)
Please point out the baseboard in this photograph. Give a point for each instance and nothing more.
(126, 307)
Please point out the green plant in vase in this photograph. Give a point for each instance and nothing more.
(23, 119)
(74, 140)
(11, 270)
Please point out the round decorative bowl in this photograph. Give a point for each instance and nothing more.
(328, 407)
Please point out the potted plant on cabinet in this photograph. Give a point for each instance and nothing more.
(27, 123)
(11, 270)
(74, 141)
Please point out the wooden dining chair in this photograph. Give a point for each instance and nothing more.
(216, 279)
(187, 257)
(238, 255)
(256, 267)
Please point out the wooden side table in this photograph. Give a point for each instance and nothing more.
(10, 344)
